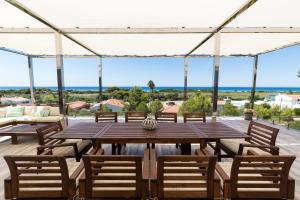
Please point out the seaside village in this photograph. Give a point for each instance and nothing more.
(282, 100)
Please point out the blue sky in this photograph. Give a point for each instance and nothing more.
(277, 69)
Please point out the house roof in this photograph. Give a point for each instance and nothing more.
(294, 96)
(114, 102)
(171, 109)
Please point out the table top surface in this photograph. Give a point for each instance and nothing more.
(134, 132)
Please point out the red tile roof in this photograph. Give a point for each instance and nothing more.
(171, 109)
(115, 102)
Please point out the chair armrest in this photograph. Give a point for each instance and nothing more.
(273, 149)
(222, 173)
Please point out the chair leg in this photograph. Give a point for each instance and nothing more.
(177, 145)
(113, 149)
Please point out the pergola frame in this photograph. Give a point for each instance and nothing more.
(212, 32)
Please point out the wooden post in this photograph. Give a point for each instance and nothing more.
(60, 72)
(186, 65)
(216, 76)
(252, 99)
(31, 80)
(100, 78)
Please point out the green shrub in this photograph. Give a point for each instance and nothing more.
(155, 106)
(297, 111)
(247, 105)
(295, 125)
(142, 107)
(84, 112)
(230, 110)
(275, 112)
(105, 108)
(287, 114)
(263, 112)
(197, 103)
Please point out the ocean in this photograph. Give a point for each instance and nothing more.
(222, 89)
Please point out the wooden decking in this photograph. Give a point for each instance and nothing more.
(288, 141)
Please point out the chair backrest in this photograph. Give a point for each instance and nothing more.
(106, 117)
(44, 133)
(135, 116)
(166, 117)
(260, 177)
(262, 134)
(186, 176)
(112, 176)
(38, 177)
(194, 117)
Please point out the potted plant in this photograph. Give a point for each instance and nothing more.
(248, 114)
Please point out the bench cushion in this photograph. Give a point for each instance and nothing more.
(6, 120)
(234, 144)
(69, 151)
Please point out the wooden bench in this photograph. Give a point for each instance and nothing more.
(39, 177)
(67, 148)
(187, 177)
(260, 135)
(257, 177)
(135, 116)
(111, 177)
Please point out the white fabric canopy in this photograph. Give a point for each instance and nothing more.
(150, 14)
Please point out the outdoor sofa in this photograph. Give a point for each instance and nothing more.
(28, 114)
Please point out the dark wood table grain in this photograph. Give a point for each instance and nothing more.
(183, 133)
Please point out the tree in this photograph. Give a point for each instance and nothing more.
(197, 103)
(151, 85)
(298, 73)
(155, 106)
(142, 107)
(135, 98)
(230, 110)
(287, 114)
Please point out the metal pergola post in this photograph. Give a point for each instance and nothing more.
(31, 79)
(252, 98)
(216, 74)
(186, 65)
(60, 72)
(99, 60)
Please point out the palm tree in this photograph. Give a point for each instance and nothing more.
(297, 74)
(151, 85)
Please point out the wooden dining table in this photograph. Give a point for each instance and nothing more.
(122, 133)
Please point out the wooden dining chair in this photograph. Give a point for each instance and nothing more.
(259, 135)
(166, 117)
(257, 177)
(111, 177)
(60, 147)
(39, 177)
(135, 116)
(109, 117)
(187, 177)
(106, 117)
(194, 117)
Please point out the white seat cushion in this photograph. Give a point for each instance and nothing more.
(69, 150)
(234, 144)
(7, 120)
(47, 119)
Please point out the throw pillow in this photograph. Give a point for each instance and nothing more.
(42, 113)
(14, 111)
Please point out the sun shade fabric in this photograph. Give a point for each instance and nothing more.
(150, 14)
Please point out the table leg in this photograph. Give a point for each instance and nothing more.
(113, 149)
(14, 139)
(186, 149)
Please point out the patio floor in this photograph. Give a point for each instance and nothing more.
(288, 141)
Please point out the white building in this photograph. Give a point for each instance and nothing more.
(286, 101)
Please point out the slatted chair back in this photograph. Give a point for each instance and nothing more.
(38, 177)
(135, 116)
(166, 117)
(106, 117)
(194, 117)
(186, 176)
(112, 176)
(260, 177)
(262, 134)
(44, 133)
